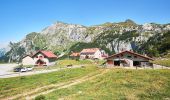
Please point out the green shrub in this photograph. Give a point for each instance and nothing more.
(19, 66)
(40, 97)
(28, 66)
(22, 77)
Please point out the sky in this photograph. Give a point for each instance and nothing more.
(20, 17)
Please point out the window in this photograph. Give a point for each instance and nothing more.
(129, 56)
(135, 56)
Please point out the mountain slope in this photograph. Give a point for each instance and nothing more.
(113, 37)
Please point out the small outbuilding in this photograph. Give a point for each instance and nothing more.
(27, 60)
(129, 59)
(75, 55)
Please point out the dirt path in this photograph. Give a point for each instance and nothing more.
(52, 87)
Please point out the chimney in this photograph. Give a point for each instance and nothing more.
(131, 50)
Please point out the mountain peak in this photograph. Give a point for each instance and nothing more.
(130, 21)
(59, 22)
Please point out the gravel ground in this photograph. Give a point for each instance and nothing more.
(7, 68)
(16, 74)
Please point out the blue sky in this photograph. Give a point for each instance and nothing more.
(20, 17)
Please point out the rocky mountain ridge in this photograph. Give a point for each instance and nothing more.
(65, 35)
(113, 37)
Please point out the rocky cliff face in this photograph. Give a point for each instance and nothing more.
(114, 36)
(71, 32)
(60, 35)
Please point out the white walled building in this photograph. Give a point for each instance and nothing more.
(40, 58)
(93, 53)
(128, 58)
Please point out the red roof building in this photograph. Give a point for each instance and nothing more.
(90, 50)
(93, 53)
(75, 54)
(133, 53)
(128, 58)
(44, 58)
(47, 54)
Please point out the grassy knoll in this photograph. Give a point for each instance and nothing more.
(17, 85)
(78, 62)
(64, 63)
(162, 62)
(73, 62)
(120, 84)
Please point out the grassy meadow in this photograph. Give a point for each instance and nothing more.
(64, 63)
(120, 84)
(17, 85)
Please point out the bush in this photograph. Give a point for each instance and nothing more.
(40, 97)
(22, 77)
(19, 66)
(28, 66)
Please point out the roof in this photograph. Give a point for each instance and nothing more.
(48, 54)
(146, 57)
(90, 50)
(75, 54)
(26, 56)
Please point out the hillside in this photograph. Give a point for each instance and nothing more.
(62, 35)
(112, 37)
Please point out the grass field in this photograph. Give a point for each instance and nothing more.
(64, 63)
(163, 62)
(72, 62)
(17, 85)
(120, 84)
